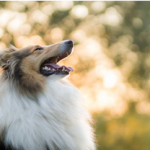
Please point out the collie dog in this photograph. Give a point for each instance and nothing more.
(39, 108)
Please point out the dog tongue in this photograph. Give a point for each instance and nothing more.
(57, 66)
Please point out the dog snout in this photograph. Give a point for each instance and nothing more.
(67, 45)
(68, 42)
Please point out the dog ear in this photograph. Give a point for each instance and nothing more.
(12, 48)
(4, 60)
(6, 55)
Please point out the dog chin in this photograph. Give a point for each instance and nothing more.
(58, 76)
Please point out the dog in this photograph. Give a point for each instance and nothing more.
(39, 108)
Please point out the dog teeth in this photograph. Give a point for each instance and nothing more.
(63, 69)
(53, 69)
(46, 68)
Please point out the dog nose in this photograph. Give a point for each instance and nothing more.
(66, 45)
(69, 42)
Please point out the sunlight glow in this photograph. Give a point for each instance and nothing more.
(15, 6)
(25, 29)
(111, 17)
(56, 35)
(48, 9)
(17, 22)
(63, 5)
(23, 41)
(143, 107)
(5, 16)
(39, 16)
(104, 85)
(98, 6)
(105, 99)
(92, 47)
(79, 35)
(110, 80)
(79, 11)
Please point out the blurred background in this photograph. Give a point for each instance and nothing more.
(111, 59)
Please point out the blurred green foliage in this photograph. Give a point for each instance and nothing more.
(122, 29)
(131, 131)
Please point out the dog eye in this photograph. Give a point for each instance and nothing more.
(39, 48)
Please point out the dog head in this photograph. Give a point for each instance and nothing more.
(30, 66)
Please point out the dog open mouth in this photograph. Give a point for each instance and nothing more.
(50, 65)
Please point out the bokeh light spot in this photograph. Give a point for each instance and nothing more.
(110, 80)
(111, 17)
(63, 5)
(56, 35)
(39, 16)
(79, 11)
(137, 23)
(17, 22)
(98, 6)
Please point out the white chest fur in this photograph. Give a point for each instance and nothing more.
(57, 119)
